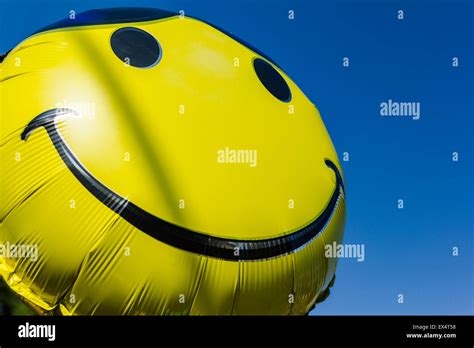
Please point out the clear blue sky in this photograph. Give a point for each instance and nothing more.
(408, 251)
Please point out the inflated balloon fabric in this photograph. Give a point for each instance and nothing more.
(161, 166)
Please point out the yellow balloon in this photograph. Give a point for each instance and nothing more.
(156, 165)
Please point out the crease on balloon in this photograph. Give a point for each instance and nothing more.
(236, 290)
(14, 76)
(323, 274)
(28, 195)
(125, 239)
(101, 235)
(22, 201)
(143, 294)
(202, 271)
(13, 135)
(28, 296)
(293, 286)
(24, 47)
(133, 297)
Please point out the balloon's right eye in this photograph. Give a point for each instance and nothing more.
(136, 47)
(272, 80)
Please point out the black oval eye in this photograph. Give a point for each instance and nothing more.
(136, 47)
(272, 80)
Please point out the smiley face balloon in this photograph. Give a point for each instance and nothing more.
(157, 165)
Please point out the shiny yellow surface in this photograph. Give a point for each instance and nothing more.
(153, 137)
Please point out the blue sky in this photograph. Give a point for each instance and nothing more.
(408, 251)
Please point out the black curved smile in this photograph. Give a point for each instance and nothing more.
(179, 237)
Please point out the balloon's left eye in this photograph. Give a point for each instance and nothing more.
(136, 47)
